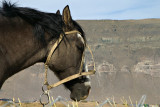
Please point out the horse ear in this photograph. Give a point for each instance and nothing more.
(67, 16)
(58, 12)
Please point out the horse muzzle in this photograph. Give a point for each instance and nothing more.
(80, 94)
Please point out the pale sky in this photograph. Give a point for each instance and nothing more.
(98, 9)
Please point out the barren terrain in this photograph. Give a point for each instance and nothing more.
(127, 56)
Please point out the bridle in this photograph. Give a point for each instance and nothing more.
(80, 74)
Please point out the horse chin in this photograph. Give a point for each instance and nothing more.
(78, 98)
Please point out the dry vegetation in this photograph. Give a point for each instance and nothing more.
(74, 104)
(52, 103)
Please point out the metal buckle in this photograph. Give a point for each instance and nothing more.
(45, 93)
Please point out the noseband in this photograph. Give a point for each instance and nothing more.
(90, 72)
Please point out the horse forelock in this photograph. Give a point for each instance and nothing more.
(79, 28)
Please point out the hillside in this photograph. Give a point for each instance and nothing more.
(127, 56)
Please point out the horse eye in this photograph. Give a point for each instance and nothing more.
(81, 48)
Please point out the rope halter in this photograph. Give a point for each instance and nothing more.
(90, 72)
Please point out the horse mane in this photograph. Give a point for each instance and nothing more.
(42, 22)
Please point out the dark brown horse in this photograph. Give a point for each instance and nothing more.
(26, 38)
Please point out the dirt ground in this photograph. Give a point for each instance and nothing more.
(58, 104)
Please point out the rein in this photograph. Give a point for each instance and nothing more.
(90, 72)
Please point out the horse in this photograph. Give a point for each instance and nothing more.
(27, 36)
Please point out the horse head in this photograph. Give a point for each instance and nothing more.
(67, 58)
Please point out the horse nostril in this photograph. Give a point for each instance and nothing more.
(89, 90)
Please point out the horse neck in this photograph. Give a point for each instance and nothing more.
(21, 48)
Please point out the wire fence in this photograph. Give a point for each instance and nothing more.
(66, 103)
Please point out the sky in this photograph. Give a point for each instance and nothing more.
(98, 9)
